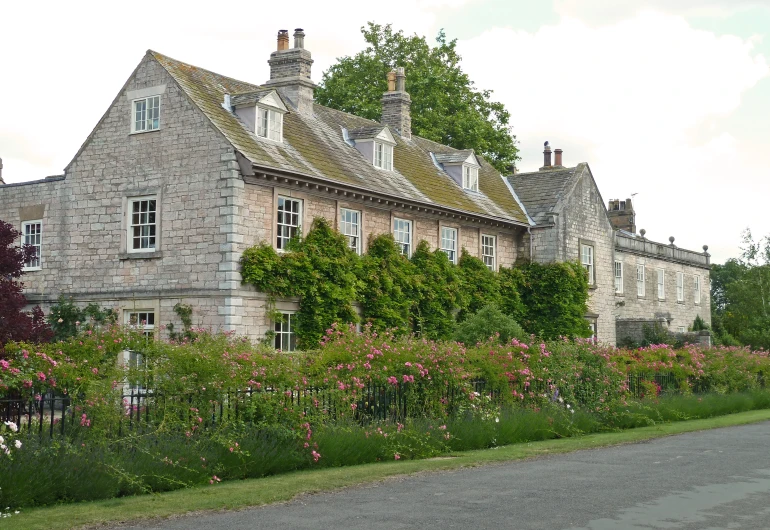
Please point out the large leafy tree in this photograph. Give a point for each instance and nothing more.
(740, 294)
(446, 106)
(16, 324)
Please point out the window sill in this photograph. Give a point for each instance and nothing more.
(620, 294)
(33, 269)
(593, 287)
(140, 255)
(132, 133)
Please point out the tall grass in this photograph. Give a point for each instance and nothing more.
(79, 470)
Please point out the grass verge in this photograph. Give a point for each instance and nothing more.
(257, 492)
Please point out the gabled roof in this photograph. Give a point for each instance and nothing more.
(541, 191)
(360, 133)
(267, 96)
(314, 146)
(457, 157)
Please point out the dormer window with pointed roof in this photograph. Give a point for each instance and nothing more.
(261, 111)
(374, 143)
(462, 166)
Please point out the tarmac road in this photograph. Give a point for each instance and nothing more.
(697, 481)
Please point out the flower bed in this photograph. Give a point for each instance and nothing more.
(92, 425)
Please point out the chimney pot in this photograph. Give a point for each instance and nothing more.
(299, 38)
(392, 81)
(283, 39)
(400, 79)
(558, 153)
(1, 172)
(546, 156)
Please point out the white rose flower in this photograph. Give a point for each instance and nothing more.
(17, 443)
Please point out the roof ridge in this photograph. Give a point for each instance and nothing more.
(156, 54)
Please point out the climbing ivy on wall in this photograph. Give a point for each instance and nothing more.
(426, 294)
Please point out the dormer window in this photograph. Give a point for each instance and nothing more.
(383, 156)
(261, 112)
(269, 124)
(462, 166)
(375, 143)
(470, 178)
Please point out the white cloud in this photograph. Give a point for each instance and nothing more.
(610, 11)
(638, 100)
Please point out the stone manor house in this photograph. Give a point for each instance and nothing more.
(188, 168)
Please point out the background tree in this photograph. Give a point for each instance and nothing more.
(15, 324)
(740, 293)
(446, 106)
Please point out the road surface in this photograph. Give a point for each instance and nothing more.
(696, 481)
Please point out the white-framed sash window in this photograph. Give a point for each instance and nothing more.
(402, 233)
(32, 235)
(142, 224)
(470, 178)
(142, 319)
(618, 277)
(697, 289)
(383, 156)
(269, 124)
(489, 251)
(145, 114)
(350, 227)
(587, 260)
(680, 287)
(449, 243)
(640, 287)
(285, 338)
(661, 284)
(288, 221)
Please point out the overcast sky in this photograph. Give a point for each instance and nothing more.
(666, 99)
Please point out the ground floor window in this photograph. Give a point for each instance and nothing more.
(285, 338)
(592, 327)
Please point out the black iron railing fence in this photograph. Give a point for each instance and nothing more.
(142, 410)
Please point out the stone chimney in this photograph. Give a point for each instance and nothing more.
(1, 172)
(290, 71)
(546, 157)
(622, 215)
(397, 105)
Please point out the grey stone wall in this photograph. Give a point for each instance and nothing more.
(191, 169)
(631, 307)
(581, 217)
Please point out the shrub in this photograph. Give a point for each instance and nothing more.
(488, 322)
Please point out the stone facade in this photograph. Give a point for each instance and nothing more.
(208, 213)
(640, 304)
(579, 218)
(569, 213)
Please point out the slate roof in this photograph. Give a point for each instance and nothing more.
(314, 146)
(248, 98)
(365, 132)
(457, 157)
(541, 191)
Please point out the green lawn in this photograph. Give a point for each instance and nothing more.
(256, 492)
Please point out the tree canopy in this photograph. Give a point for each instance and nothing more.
(446, 106)
(740, 295)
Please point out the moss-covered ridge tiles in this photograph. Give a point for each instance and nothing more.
(314, 145)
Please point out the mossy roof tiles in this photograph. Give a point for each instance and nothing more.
(313, 145)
